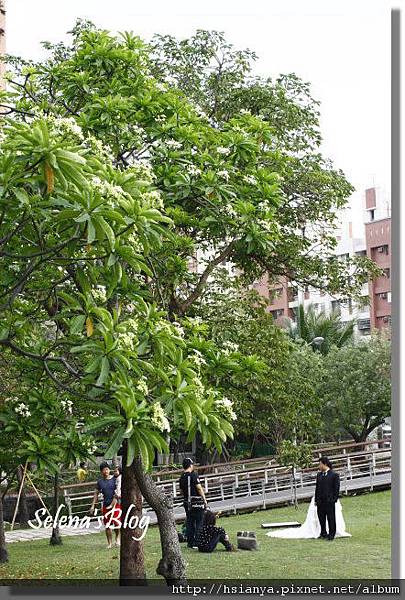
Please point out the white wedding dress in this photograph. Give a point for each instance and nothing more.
(311, 527)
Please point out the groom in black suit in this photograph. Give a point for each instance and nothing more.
(326, 496)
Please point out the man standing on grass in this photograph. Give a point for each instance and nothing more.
(326, 496)
(106, 485)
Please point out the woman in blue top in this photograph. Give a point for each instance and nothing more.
(106, 485)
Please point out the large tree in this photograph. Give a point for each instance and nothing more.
(76, 232)
(356, 387)
(129, 143)
(221, 80)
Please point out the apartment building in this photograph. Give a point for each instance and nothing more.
(378, 245)
(370, 238)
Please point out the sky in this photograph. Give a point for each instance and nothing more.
(341, 46)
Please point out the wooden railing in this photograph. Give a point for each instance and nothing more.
(245, 479)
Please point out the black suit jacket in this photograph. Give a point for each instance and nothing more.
(331, 489)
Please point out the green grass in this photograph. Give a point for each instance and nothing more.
(365, 555)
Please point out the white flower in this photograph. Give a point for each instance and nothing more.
(158, 418)
(173, 144)
(245, 111)
(226, 407)
(142, 386)
(224, 174)
(161, 87)
(100, 294)
(223, 150)
(193, 170)
(230, 347)
(67, 405)
(23, 410)
(250, 179)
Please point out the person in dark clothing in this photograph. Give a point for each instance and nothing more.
(194, 501)
(326, 496)
(210, 535)
(106, 485)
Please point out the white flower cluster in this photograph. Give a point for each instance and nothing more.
(105, 188)
(158, 418)
(224, 174)
(90, 446)
(153, 199)
(163, 325)
(193, 170)
(135, 243)
(223, 150)
(160, 118)
(230, 211)
(250, 179)
(67, 406)
(245, 111)
(99, 294)
(197, 358)
(173, 144)
(142, 386)
(226, 407)
(161, 87)
(199, 389)
(66, 125)
(128, 338)
(229, 347)
(23, 410)
(178, 329)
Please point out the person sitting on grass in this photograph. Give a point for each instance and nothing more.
(209, 535)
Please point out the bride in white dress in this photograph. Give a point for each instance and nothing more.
(311, 527)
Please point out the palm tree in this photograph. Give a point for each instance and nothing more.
(311, 325)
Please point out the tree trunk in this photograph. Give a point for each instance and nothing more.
(171, 566)
(23, 514)
(132, 560)
(3, 547)
(56, 539)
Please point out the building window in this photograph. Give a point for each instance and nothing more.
(277, 313)
(372, 214)
(335, 305)
(363, 325)
(361, 253)
(387, 273)
(277, 293)
(382, 249)
(382, 295)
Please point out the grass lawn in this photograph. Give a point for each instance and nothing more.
(365, 555)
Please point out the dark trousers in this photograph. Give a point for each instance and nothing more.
(326, 510)
(220, 538)
(194, 521)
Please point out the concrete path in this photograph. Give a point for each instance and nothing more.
(244, 503)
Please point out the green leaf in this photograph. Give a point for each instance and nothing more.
(77, 324)
(104, 372)
(115, 444)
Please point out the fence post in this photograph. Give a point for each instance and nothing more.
(371, 479)
(346, 488)
(222, 491)
(266, 477)
(302, 479)
(174, 489)
(264, 493)
(349, 467)
(234, 499)
(206, 485)
(276, 483)
(236, 479)
(249, 485)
